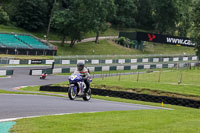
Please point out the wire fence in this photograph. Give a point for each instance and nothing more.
(173, 76)
(117, 56)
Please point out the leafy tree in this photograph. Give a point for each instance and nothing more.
(97, 15)
(144, 15)
(196, 26)
(126, 12)
(4, 18)
(184, 17)
(165, 14)
(70, 21)
(61, 22)
(32, 14)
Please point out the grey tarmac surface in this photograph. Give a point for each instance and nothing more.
(14, 106)
(21, 77)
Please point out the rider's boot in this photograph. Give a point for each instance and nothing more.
(87, 88)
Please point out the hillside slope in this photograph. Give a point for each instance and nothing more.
(108, 47)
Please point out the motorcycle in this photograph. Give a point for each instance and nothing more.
(43, 76)
(77, 88)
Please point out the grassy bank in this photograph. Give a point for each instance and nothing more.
(106, 47)
(176, 81)
(182, 81)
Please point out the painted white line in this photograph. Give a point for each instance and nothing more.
(18, 118)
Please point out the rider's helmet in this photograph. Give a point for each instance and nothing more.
(80, 66)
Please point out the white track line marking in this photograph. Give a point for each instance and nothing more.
(18, 118)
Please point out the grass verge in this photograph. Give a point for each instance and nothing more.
(109, 72)
(34, 91)
(37, 89)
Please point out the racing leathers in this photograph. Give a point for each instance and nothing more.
(86, 76)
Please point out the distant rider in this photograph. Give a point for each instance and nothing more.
(44, 75)
(84, 72)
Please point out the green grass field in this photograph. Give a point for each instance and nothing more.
(166, 80)
(183, 81)
(103, 48)
(179, 120)
(106, 47)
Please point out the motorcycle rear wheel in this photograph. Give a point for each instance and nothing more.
(87, 95)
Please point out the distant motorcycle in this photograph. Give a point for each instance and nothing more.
(77, 88)
(43, 76)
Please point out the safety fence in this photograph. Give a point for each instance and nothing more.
(134, 96)
(120, 56)
(113, 68)
(129, 60)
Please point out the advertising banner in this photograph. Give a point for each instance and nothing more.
(36, 61)
(158, 38)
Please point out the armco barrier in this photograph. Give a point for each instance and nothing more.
(6, 72)
(133, 96)
(112, 68)
(103, 61)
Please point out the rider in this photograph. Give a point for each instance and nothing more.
(84, 72)
(44, 75)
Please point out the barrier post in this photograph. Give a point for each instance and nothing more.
(138, 74)
(180, 78)
(159, 77)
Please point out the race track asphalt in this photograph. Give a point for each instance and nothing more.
(12, 106)
(21, 77)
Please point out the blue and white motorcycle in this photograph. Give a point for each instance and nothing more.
(77, 88)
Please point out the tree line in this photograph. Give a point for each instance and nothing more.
(74, 18)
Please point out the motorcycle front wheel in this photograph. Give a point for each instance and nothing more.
(87, 95)
(71, 93)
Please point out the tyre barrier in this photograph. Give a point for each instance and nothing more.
(132, 96)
